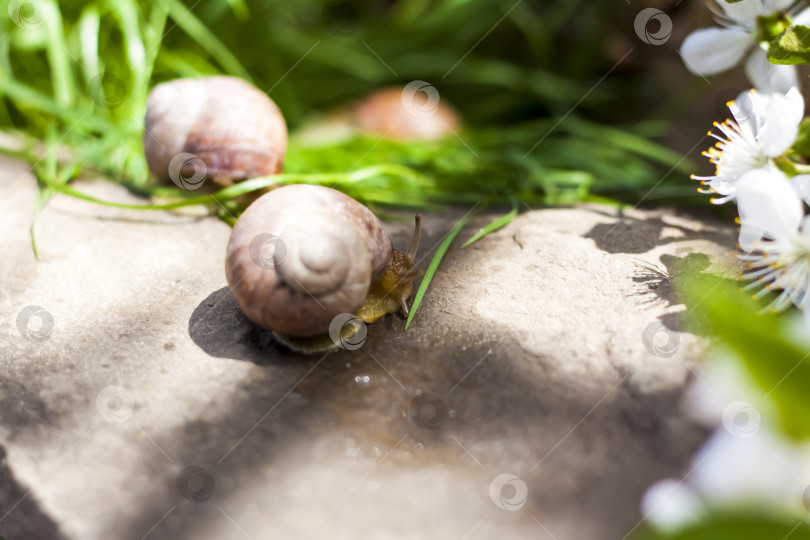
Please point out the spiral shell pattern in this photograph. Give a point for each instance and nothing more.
(301, 255)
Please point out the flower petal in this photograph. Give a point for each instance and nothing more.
(769, 78)
(771, 6)
(778, 119)
(744, 109)
(732, 468)
(711, 50)
(802, 18)
(744, 12)
(669, 504)
(801, 184)
(768, 206)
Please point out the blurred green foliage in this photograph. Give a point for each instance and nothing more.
(774, 352)
(736, 527)
(772, 347)
(528, 79)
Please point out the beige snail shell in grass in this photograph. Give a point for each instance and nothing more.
(410, 113)
(302, 255)
(235, 129)
(414, 112)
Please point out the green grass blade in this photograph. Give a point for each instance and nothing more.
(64, 89)
(5, 45)
(153, 35)
(126, 13)
(434, 265)
(24, 94)
(241, 188)
(240, 9)
(192, 26)
(45, 170)
(67, 190)
(499, 223)
(43, 195)
(89, 26)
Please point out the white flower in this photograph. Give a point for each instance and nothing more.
(733, 470)
(727, 473)
(711, 50)
(764, 127)
(773, 223)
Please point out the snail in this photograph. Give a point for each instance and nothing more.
(410, 113)
(235, 129)
(302, 255)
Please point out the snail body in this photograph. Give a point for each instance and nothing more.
(301, 255)
(235, 129)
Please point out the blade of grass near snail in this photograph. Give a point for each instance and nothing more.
(243, 187)
(499, 223)
(49, 174)
(434, 265)
(57, 53)
(194, 27)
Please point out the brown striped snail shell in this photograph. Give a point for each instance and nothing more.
(301, 255)
(234, 128)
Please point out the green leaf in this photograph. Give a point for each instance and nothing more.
(802, 144)
(791, 47)
(434, 265)
(766, 343)
(738, 527)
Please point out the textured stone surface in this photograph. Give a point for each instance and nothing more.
(530, 343)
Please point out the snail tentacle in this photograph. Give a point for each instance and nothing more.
(417, 236)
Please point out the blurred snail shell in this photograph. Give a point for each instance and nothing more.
(301, 255)
(410, 113)
(234, 128)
